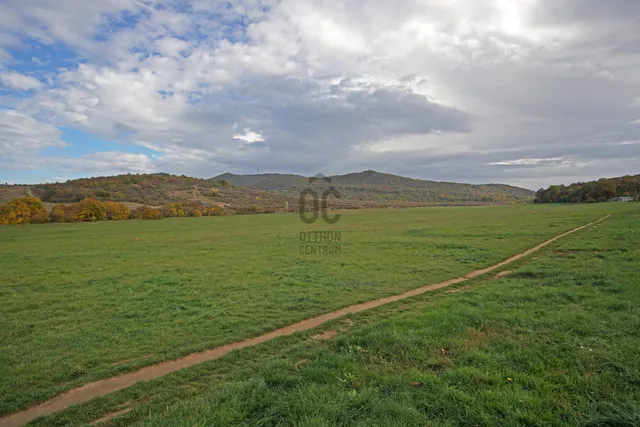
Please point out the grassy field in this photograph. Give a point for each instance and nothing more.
(87, 301)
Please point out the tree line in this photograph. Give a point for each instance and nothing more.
(150, 189)
(591, 192)
(31, 210)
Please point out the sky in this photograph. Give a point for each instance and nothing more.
(523, 92)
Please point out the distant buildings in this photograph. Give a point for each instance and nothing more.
(622, 199)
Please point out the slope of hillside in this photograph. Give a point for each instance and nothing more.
(265, 193)
(266, 182)
(161, 189)
(379, 187)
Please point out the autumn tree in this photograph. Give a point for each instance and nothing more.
(147, 212)
(194, 209)
(23, 211)
(589, 192)
(606, 188)
(14, 212)
(117, 211)
(213, 211)
(90, 210)
(38, 212)
(177, 209)
(58, 213)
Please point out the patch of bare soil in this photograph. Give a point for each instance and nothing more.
(112, 415)
(326, 335)
(502, 274)
(463, 288)
(103, 387)
(475, 338)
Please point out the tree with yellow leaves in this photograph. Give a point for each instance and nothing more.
(177, 209)
(91, 210)
(147, 212)
(117, 211)
(58, 213)
(23, 211)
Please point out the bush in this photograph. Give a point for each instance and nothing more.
(152, 214)
(166, 212)
(23, 211)
(39, 218)
(214, 211)
(147, 212)
(177, 209)
(117, 211)
(90, 210)
(14, 212)
(58, 213)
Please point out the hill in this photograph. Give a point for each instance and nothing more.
(160, 189)
(266, 192)
(377, 187)
(592, 191)
(266, 182)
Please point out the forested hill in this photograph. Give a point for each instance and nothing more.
(382, 187)
(269, 191)
(592, 191)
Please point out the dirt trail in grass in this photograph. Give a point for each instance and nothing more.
(103, 387)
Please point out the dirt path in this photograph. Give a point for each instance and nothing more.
(103, 387)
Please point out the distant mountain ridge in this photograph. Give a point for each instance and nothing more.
(370, 185)
(267, 192)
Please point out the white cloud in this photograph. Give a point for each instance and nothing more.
(439, 89)
(529, 162)
(624, 143)
(19, 81)
(248, 136)
(107, 163)
(22, 136)
(171, 46)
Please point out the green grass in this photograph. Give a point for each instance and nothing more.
(556, 342)
(87, 301)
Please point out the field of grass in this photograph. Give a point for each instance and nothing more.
(87, 301)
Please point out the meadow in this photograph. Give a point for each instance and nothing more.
(87, 301)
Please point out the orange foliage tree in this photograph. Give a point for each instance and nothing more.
(147, 212)
(23, 210)
(90, 210)
(213, 211)
(117, 211)
(58, 213)
(177, 209)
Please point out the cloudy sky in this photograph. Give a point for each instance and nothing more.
(525, 92)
